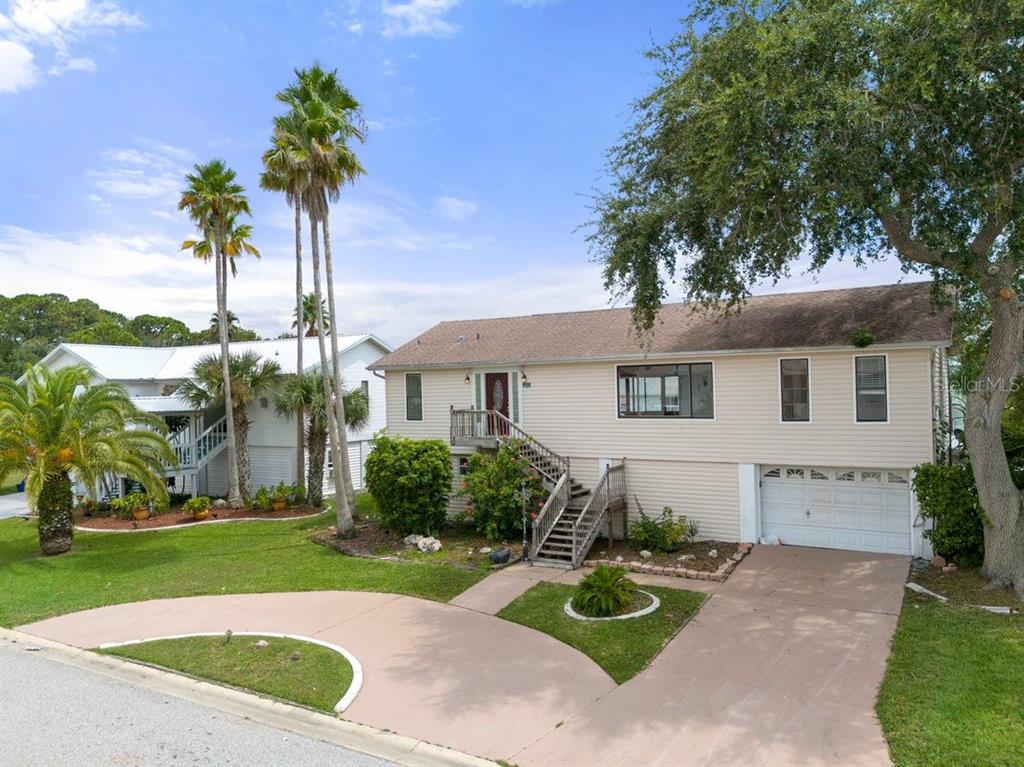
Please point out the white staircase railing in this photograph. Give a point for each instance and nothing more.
(194, 454)
(549, 514)
(609, 491)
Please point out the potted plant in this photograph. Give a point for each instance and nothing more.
(280, 496)
(133, 505)
(198, 508)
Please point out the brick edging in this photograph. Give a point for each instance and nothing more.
(727, 566)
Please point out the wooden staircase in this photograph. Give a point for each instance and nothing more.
(568, 524)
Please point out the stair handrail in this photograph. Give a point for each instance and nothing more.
(610, 487)
(550, 512)
(210, 439)
(493, 424)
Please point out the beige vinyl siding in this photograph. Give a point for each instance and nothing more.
(706, 492)
(573, 409)
(441, 390)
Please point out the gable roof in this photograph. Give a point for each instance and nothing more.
(896, 314)
(174, 363)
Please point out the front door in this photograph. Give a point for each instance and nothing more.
(496, 389)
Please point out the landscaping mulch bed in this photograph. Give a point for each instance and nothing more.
(175, 516)
(460, 546)
(692, 560)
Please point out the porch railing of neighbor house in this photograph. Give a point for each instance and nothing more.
(195, 454)
(608, 493)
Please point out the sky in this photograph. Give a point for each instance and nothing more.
(488, 124)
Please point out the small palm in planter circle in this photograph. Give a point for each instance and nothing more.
(604, 593)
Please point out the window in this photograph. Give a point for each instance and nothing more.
(666, 391)
(795, 380)
(365, 386)
(463, 465)
(413, 397)
(872, 395)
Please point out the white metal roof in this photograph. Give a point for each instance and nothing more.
(140, 363)
(161, 404)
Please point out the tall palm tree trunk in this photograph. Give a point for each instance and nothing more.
(339, 404)
(317, 441)
(343, 512)
(300, 457)
(234, 493)
(56, 525)
(244, 463)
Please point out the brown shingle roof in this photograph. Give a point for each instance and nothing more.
(896, 314)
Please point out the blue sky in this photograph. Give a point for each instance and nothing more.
(488, 124)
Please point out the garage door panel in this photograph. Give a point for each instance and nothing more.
(850, 508)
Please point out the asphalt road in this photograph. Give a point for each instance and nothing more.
(54, 714)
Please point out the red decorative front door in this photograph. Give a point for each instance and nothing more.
(496, 388)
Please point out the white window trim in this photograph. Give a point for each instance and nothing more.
(405, 398)
(888, 390)
(515, 378)
(810, 392)
(669, 419)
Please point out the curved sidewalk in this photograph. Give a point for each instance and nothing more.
(433, 671)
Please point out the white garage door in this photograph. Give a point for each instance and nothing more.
(856, 509)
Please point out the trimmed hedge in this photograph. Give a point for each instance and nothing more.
(411, 480)
(949, 497)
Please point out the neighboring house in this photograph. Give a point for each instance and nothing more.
(151, 376)
(766, 422)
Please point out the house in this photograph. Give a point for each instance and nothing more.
(801, 416)
(151, 376)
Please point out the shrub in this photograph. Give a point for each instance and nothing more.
(261, 501)
(126, 505)
(192, 505)
(494, 486)
(664, 534)
(410, 479)
(948, 496)
(604, 593)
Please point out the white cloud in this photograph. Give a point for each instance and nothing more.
(418, 18)
(17, 70)
(389, 69)
(355, 27)
(140, 174)
(36, 26)
(455, 208)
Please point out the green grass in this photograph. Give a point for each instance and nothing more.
(965, 587)
(318, 678)
(954, 688)
(366, 506)
(233, 558)
(622, 648)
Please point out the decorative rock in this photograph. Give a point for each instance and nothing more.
(938, 562)
(499, 557)
(220, 503)
(486, 550)
(635, 565)
(618, 558)
(738, 556)
(686, 557)
(646, 554)
(950, 568)
(259, 645)
(713, 553)
(428, 544)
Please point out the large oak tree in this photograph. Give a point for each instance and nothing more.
(858, 129)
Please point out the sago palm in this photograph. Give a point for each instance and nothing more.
(213, 200)
(251, 377)
(57, 425)
(307, 391)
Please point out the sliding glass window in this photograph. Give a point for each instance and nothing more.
(666, 391)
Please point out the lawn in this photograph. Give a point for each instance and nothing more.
(621, 647)
(954, 689)
(289, 669)
(232, 558)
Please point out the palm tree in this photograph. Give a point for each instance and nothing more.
(306, 391)
(251, 377)
(233, 321)
(56, 424)
(330, 116)
(214, 200)
(308, 312)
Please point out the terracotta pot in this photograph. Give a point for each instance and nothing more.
(200, 514)
(278, 505)
(141, 513)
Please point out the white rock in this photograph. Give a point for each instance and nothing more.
(412, 540)
(261, 644)
(646, 554)
(220, 503)
(486, 550)
(618, 558)
(713, 553)
(428, 544)
(685, 557)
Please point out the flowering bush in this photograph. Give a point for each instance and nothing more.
(493, 487)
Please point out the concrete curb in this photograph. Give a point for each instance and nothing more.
(400, 749)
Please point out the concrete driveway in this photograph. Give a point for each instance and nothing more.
(780, 667)
(13, 505)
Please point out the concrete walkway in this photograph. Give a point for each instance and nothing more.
(780, 667)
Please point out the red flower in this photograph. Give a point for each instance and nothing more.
(534, 515)
(540, 504)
